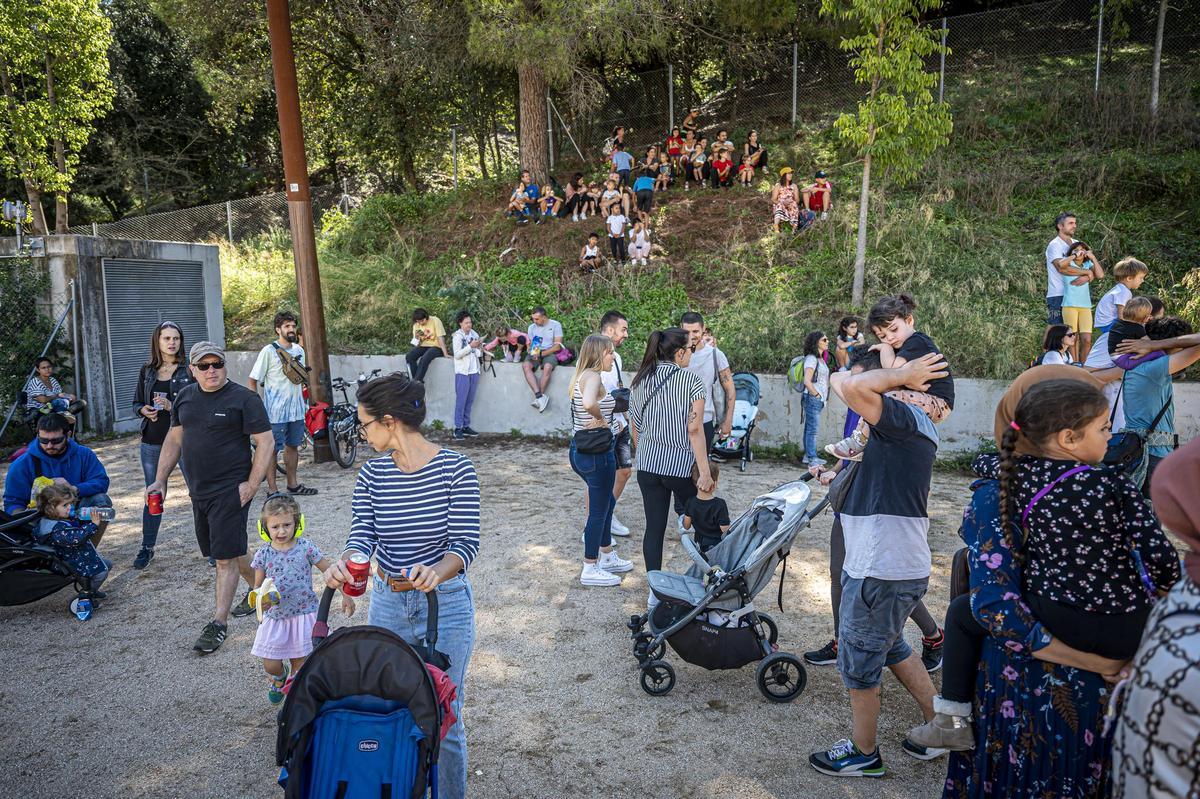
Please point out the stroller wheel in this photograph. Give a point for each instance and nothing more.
(658, 678)
(781, 677)
(640, 648)
(742, 466)
(772, 629)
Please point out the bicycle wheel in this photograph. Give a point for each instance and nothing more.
(344, 441)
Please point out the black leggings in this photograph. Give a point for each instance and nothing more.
(418, 361)
(656, 500)
(619, 248)
(960, 650)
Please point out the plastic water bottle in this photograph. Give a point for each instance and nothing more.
(94, 514)
(82, 608)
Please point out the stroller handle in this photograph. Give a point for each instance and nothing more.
(20, 520)
(321, 627)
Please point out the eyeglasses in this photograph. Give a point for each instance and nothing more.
(204, 367)
(362, 431)
(52, 442)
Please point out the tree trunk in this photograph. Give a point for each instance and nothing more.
(34, 193)
(480, 136)
(535, 149)
(860, 254)
(1156, 70)
(60, 158)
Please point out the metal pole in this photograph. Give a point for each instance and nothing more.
(942, 68)
(454, 150)
(95, 229)
(550, 130)
(567, 128)
(229, 219)
(795, 74)
(300, 213)
(671, 94)
(1099, 47)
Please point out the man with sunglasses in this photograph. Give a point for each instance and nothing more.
(212, 425)
(54, 455)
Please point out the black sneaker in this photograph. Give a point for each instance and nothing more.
(458, 434)
(212, 562)
(211, 638)
(825, 656)
(144, 556)
(243, 608)
(844, 759)
(931, 652)
(469, 433)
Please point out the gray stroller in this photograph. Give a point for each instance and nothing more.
(708, 615)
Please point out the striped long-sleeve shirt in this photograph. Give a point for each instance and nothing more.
(404, 519)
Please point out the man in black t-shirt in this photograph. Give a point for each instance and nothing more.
(212, 425)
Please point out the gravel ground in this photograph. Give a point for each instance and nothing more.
(121, 706)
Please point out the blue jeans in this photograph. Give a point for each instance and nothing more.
(406, 613)
(812, 418)
(150, 522)
(599, 473)
(1054, 310)
(464, 398)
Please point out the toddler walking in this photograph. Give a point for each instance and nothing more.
(284, 637)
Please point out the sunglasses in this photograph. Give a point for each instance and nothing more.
(1070, 335)
(204, 367)
(52, 442)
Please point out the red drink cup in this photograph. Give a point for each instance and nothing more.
(359, 566)
(154, 503)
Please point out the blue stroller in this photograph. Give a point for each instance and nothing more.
(362, 719)
(747, 395)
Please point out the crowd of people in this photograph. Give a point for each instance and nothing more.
(1074, 587)
(623, 195)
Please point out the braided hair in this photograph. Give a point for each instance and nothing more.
(1045, 409)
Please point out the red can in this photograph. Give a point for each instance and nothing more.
(359, 566)
(154, 503)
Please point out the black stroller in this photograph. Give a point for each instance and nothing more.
(708, 615)
(30, 571)
(363, 718)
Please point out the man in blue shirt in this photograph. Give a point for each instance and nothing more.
(523, 202)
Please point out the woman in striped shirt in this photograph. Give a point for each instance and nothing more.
(667, 415)
(592, 409)
(417, 512)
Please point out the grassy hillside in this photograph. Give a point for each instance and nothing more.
(966, 239)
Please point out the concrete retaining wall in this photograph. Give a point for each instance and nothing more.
(502, 403)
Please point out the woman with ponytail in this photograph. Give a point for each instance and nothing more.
(666, 410)
(1066, 559)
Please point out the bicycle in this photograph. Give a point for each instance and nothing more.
(343, 427)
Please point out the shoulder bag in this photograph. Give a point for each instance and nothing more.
(1127, 449)
(293, 369)
(591, 440)
(620, 395)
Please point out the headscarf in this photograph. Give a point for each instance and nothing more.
(1007, 409)
(1176, 502)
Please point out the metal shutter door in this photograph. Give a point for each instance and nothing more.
(138, 296)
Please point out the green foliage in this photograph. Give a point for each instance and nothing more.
(54, 78)
(377, 225)
(23, 327)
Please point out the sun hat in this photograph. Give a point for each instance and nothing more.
(785, 171)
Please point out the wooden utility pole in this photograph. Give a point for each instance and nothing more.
(300, 219)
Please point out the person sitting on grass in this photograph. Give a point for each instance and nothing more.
(745, 172)
(674, 147)
(722, 169)
(754, 154)
(706, 514)
(697, 165)
(523, 202)
(589, 254)
(547, 202)
(785, 201)
(818, 195)
(666, 173)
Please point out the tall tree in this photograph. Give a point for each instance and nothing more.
(54, 79)
(899, 124)
(1156, 68)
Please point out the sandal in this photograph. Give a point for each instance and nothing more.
(302, 490)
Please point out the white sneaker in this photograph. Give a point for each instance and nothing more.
(824, 214)
(542, 402)
(575, 217)
(651, 600)
(592, 574)
(583, 217)
(617, 528)
(534, 402)
(613, 563)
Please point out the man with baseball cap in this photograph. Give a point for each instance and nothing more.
(212, 424)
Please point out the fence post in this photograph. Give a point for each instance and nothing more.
(1099, 47)
(942, 68)
(795, 71)
(454, 150)
(671, 95)
(550, 130)
(229, 219)
(95, 229)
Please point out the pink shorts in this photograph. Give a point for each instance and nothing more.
(283, 639)
(934, 407)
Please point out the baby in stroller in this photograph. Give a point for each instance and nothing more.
(71, 538)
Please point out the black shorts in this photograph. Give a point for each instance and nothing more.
(624, 449)
(645, 200)
(221, 525)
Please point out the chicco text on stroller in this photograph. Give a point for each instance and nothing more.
(708, 616)
(366, 714)
(747, 394)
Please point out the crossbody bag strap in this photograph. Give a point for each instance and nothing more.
(1160, 415)
(658, 388)
(1048, 488)
(1112, 416)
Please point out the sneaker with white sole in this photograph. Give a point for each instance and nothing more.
(613, 563)
(534, 402)
(542, 402)
(914, 749)
(825, 656)
(593, 575)
(950, 729)
(850, 448)
(844, 759)
(616, 528)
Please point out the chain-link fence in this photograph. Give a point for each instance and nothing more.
(33, 322)
(1103, 48)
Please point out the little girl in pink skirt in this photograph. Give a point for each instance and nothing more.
(284, 637)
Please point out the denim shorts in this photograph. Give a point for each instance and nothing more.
(624, 449)
(1054, 314)
(871, 637)
(288, 434)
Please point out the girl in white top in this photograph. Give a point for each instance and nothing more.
(639, 246)
(1056, 345)
(468, 350)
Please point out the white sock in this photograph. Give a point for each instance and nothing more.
(961, 709)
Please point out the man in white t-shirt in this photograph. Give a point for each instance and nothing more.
(1059, 268)
(711, 366)
(282, 379)
(545, 340)
(614, 325)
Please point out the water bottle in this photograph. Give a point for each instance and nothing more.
(94, 514)
(82, 608)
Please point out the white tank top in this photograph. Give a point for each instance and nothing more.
(590, 252)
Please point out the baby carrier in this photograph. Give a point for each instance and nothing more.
(745, 409)
(30, 571)
(366, 714)
(707, 615)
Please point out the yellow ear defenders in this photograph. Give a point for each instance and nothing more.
(266, 536)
